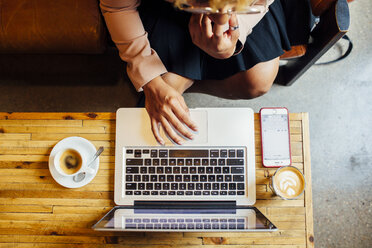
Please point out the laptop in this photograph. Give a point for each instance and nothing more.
(207, 184)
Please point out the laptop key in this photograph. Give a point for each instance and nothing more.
(172, 161)
(185, 170)
(164, 161)
(143, 170)
(223, 192)
(178, 178)
(160, 170)
(129, 151)
(201, 170)
(155, 161)
(163, 192)
(209, 170)
(238, 178)
(170, 178)
(207, 186)
(180, 161)
(217, 170)
(131, 185)
(211, 178)
(182, 226)
(137, 178)
(232, 226)
(223, 226)
(131, 170)
(190, 186)
(145, 178)
(203, 178)
(149, 226)
(188, 193)
(146, 193)
(130, 226)
(240, 226)
(157, 186)
(129, 178)
(226, 170)
(137, 193)
(199, 226)
(128, 192)
(227, 178)
(221, 161)
(223, 186)
(223, 153)
(186, 178)
(205, 161)
(161, 178)
(145, 151)
(192, 170)
(180, 192)
(171, 192)
(231, 153)
(215, 226)
(240, 192)
(149, 186)
(214, 154)
(168, 170)
(163, 153)
(206, 192)
(154, 178)
(134, 161)
(240, 153)
(176, 170)
(189, 161)
(237, 170)
(240, 186)
(216, 186)
(196, 161)
(182, 186)
(232, 193)
(174, 186)
(232, 186)
(154, 153)
(148, 161)
(214, 192)
(219, 178)
(238, 161)
(199, 186)
(207, 226)
(154, 192)
(141, 186)
(213, 161)
(165, 186)
(197, 192)
(137, 153)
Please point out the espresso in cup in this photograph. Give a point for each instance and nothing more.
(288, 182)
(70, 161)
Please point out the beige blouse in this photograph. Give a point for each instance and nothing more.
(127, 31)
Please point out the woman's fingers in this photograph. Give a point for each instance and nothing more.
(155, 130)
(185, 118)
(233, 28)
(169, 131)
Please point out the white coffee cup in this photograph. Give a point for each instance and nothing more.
(70, 162)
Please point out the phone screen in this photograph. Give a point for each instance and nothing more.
(275, 138)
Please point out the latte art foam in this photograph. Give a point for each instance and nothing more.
(288, 182)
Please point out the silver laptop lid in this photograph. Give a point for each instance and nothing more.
(218, 127)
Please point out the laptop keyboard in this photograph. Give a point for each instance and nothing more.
(185, 223)
(185, 171)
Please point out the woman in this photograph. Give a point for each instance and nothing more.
(168, 51)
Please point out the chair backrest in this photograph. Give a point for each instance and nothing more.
(334, 23)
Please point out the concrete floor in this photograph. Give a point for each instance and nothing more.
(337, 96)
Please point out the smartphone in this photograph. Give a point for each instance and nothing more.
(275, 138)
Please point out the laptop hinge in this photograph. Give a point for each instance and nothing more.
(185, 204)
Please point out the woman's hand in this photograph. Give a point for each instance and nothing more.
(167, 107)
(212, 39)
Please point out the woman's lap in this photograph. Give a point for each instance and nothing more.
(169, 37)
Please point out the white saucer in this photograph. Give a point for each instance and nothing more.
(86, 148)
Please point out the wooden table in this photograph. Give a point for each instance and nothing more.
(37, 212)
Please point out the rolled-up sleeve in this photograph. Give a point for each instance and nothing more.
(127, 32)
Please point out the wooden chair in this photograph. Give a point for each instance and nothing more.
(334, 20)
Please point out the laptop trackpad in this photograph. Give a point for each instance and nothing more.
(201, 137)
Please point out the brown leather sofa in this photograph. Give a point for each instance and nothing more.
(52, 26)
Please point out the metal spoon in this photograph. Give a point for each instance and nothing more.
(80, 177)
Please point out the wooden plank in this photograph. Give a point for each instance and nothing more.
(56, 116)
(43, 123)
(51, 239)
(99, 123)
(73, 130)
(23, 165)
(123, 245)
(49, 179)
(251, 241)
(60, 136)
(285, 211)
(15, 136)
(24, 158)
(25, 150)
(279, 203)
(308, 190)
(58, 201)
(51, 194)
(104, 187)
(282, 233)
(50, 217)
(26, 208)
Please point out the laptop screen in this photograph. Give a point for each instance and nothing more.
(237, 219)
